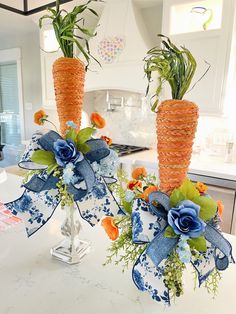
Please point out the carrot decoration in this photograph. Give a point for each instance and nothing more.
(69, 76)
(176, 126)
(176, 118)
(69, 71)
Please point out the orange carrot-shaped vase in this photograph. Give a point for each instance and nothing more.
(69, 71)
(69, 76)
(176, 118)
(176, 127)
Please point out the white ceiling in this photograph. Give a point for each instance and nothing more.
(16, 24)
(147, 3)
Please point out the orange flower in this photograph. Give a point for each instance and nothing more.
(134, 184)
(201, 187)
(148, 191)
(110, 227)
(220, 207)
(138, 173)
(107, 139)
(97, 120)
(40, 117)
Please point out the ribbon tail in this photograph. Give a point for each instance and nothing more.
(147, 277)
(223, 245)
(34, 208)
(205, 265)
(97, 203)
(148, 270)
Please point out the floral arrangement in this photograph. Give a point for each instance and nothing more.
(75, 169)
(159, 235)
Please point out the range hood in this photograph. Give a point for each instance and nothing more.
(121, 44)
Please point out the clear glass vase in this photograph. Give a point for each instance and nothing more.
(71, 250)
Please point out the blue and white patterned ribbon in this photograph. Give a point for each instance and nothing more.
(41, 196)
(149, 221)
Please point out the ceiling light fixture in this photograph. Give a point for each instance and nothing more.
(203, 11)
(26, 10)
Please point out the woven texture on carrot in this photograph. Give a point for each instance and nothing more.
(69, 75)
(176, 127)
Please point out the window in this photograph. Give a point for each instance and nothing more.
(9, 105)
(196, 16)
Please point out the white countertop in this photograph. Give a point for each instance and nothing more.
(200, 164)
(32, 282)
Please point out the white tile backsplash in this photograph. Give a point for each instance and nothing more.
(133, 124)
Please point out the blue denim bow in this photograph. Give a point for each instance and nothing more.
(83, 169)
(41, 196)
(149, 264)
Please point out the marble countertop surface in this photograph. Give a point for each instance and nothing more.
(32, 282)
(202, 164)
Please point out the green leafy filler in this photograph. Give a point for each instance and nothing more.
(47, 159)
(174, 65)
(70, 31)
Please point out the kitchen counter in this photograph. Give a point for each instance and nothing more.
(200, 164)
(32, 282)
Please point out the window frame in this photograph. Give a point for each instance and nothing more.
(14, 55)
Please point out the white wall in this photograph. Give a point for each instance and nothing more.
(153, 20)
(31, 73)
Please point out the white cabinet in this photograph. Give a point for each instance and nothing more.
(185, 27)
(227, 197)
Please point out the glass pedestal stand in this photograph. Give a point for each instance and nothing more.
(71, 250)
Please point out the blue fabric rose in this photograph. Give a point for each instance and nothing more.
(65, 152)
(184, 219)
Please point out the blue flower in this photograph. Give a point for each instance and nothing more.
(71, 124)
(183, 250)
(99, 190)
(184, 219)
(68, 174)
(107, 166)
(65, 152)
(129, 196)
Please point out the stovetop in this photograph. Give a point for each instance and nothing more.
(124, 150)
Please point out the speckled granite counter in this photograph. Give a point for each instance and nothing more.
(31, 282)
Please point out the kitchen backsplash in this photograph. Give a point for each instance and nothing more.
(133, 123)
(128, 116)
